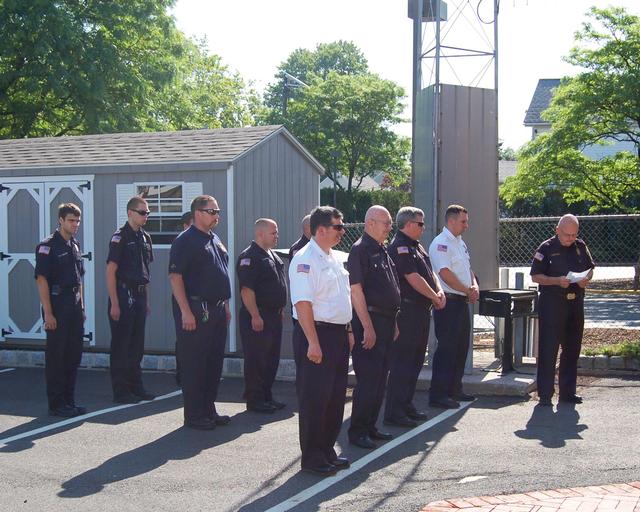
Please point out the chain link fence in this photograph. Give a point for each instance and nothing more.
(614, 240)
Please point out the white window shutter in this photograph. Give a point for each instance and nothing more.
(189, 192)
(124, 192)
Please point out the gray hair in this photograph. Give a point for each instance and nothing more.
(407, 214)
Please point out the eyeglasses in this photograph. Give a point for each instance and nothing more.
(144, 213)
(210, 211)
(421, 224)
(337, 227)
(385, 222)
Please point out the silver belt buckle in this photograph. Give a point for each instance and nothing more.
(571, 296)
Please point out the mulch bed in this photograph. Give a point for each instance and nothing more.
(612, 284)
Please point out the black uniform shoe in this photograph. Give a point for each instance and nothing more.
(143, 395)
(380, 436)
(321, 470)
(463, 397)
(364, 441)
(341, 463)
(444, 403)
(262, 407)
(80, 410)
(417, 416)
(201, 424)
(572, 399)
(400, 421)
(275, 404)
(545, 402)
(126, 399)
(64, 411)
(221, 420)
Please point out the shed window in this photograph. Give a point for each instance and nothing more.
(165, 202)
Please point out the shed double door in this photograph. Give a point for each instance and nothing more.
(29, 213)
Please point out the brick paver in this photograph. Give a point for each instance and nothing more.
(595, 498)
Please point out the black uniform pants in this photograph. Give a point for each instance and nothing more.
(63, 350)
(371, 367)
(452, 327)
(201, 354)
(561, 324)
(321, 390)
(261, 354)
(127, 342)
(407, 359)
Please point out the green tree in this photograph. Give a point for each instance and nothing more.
(345, 121)
(70, 67)
(343, 57)
(597, 106)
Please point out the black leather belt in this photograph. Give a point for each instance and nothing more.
(202, 299)
(61, 290)
(342, 327)
(391, 313)
(455, 296)
(138, 288)
(427, 305)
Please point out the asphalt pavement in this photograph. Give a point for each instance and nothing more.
(141, 458)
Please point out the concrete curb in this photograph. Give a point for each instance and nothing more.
(602, 362)
(612, 292)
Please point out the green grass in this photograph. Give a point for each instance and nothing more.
(629, 349)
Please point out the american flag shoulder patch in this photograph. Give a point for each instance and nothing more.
(44, 249)
(442, 248)
(403, 249)
(538, 256)
(303, 267)
(116, 239)
(245, 262)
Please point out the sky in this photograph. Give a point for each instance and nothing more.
(254, 36)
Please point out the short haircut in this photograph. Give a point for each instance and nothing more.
(200, 202)
(453, 210)
(134, 202)
(323, 216)
(407, 214)
(187, 218)
(264, 223)
(68, 209)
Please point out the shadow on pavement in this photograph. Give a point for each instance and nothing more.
(553, 427)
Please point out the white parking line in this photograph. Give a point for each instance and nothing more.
(77, 419)
(7, 370)
(324, 484)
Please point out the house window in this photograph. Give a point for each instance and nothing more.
(165, 203)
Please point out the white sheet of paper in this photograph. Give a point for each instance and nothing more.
(575, 277)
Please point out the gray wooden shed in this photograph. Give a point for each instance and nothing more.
(253, 172)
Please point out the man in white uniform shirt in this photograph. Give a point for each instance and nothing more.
(450, 260)
(322, 340)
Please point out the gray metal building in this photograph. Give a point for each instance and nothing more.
(253, 172)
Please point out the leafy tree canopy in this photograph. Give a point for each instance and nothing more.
(71, 67)
(598, 106)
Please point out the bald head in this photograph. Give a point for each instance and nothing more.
(306, 226)
(377, 223)
(567, 229)
(266, 233)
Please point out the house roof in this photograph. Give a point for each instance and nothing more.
(368, 183)
(218, 145)
(540, 101)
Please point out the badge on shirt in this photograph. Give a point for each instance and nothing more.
(44, 249)
(222, 247)
(245, 262)
(116, 239)
(303, 267)
(442, 248)
(538, 256)
(403, 249)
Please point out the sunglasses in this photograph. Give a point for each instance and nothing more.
(210, 211)
(144, 213)
(337, 227)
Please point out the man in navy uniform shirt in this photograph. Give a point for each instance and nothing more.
(561, 308)
(375, 293)
(263, 288)
(130, 254)
(58, 274)
(420, 291)
(199, 276)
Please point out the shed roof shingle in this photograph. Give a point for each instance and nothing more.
(220, 145)
(540, 101)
